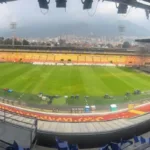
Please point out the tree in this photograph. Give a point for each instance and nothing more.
(1, 40)
(109, 45)
(62, 42)
(25, 42)
(119, 46)
(126, 45)
(17, 42)
(8, 41)
(55, 44)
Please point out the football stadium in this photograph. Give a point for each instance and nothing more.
(75, 97)
(92, 93)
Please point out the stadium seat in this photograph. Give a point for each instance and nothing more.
(63, 145)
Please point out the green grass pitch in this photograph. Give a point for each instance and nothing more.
(72, 80)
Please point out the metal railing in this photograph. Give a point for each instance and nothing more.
(20, 122)
(4, 145)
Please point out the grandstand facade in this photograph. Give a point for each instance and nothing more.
(66, 56)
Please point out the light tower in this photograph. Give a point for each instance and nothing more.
(13, 26)
(121, 29)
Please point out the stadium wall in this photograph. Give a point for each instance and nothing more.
(145, 69)
(90, 140)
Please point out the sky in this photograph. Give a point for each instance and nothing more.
(27, 12)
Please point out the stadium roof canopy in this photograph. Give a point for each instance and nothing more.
(121, 5)
(4, 1)
(143, 40)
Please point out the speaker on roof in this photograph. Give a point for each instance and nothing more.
(61, 3)
(87, 4)
(43, 4)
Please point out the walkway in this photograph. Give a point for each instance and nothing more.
(84, 117)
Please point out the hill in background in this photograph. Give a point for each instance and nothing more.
(98, 26)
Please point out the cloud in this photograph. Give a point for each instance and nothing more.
(5, 16)
(110, 8)
(106, 8)
(26, 12)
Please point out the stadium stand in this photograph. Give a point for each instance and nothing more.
(74, 58)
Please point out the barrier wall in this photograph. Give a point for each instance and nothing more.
(92, 140)
(75, 58)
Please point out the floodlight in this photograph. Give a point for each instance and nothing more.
(61, 3)
(43, 4)
(87, 4)
(147, 13)
(122, 8)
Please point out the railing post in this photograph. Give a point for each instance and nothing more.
(34, 130)
(31, 138)
(36, 124)
(4, 116)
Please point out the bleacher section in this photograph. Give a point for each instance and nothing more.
(74, 58)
